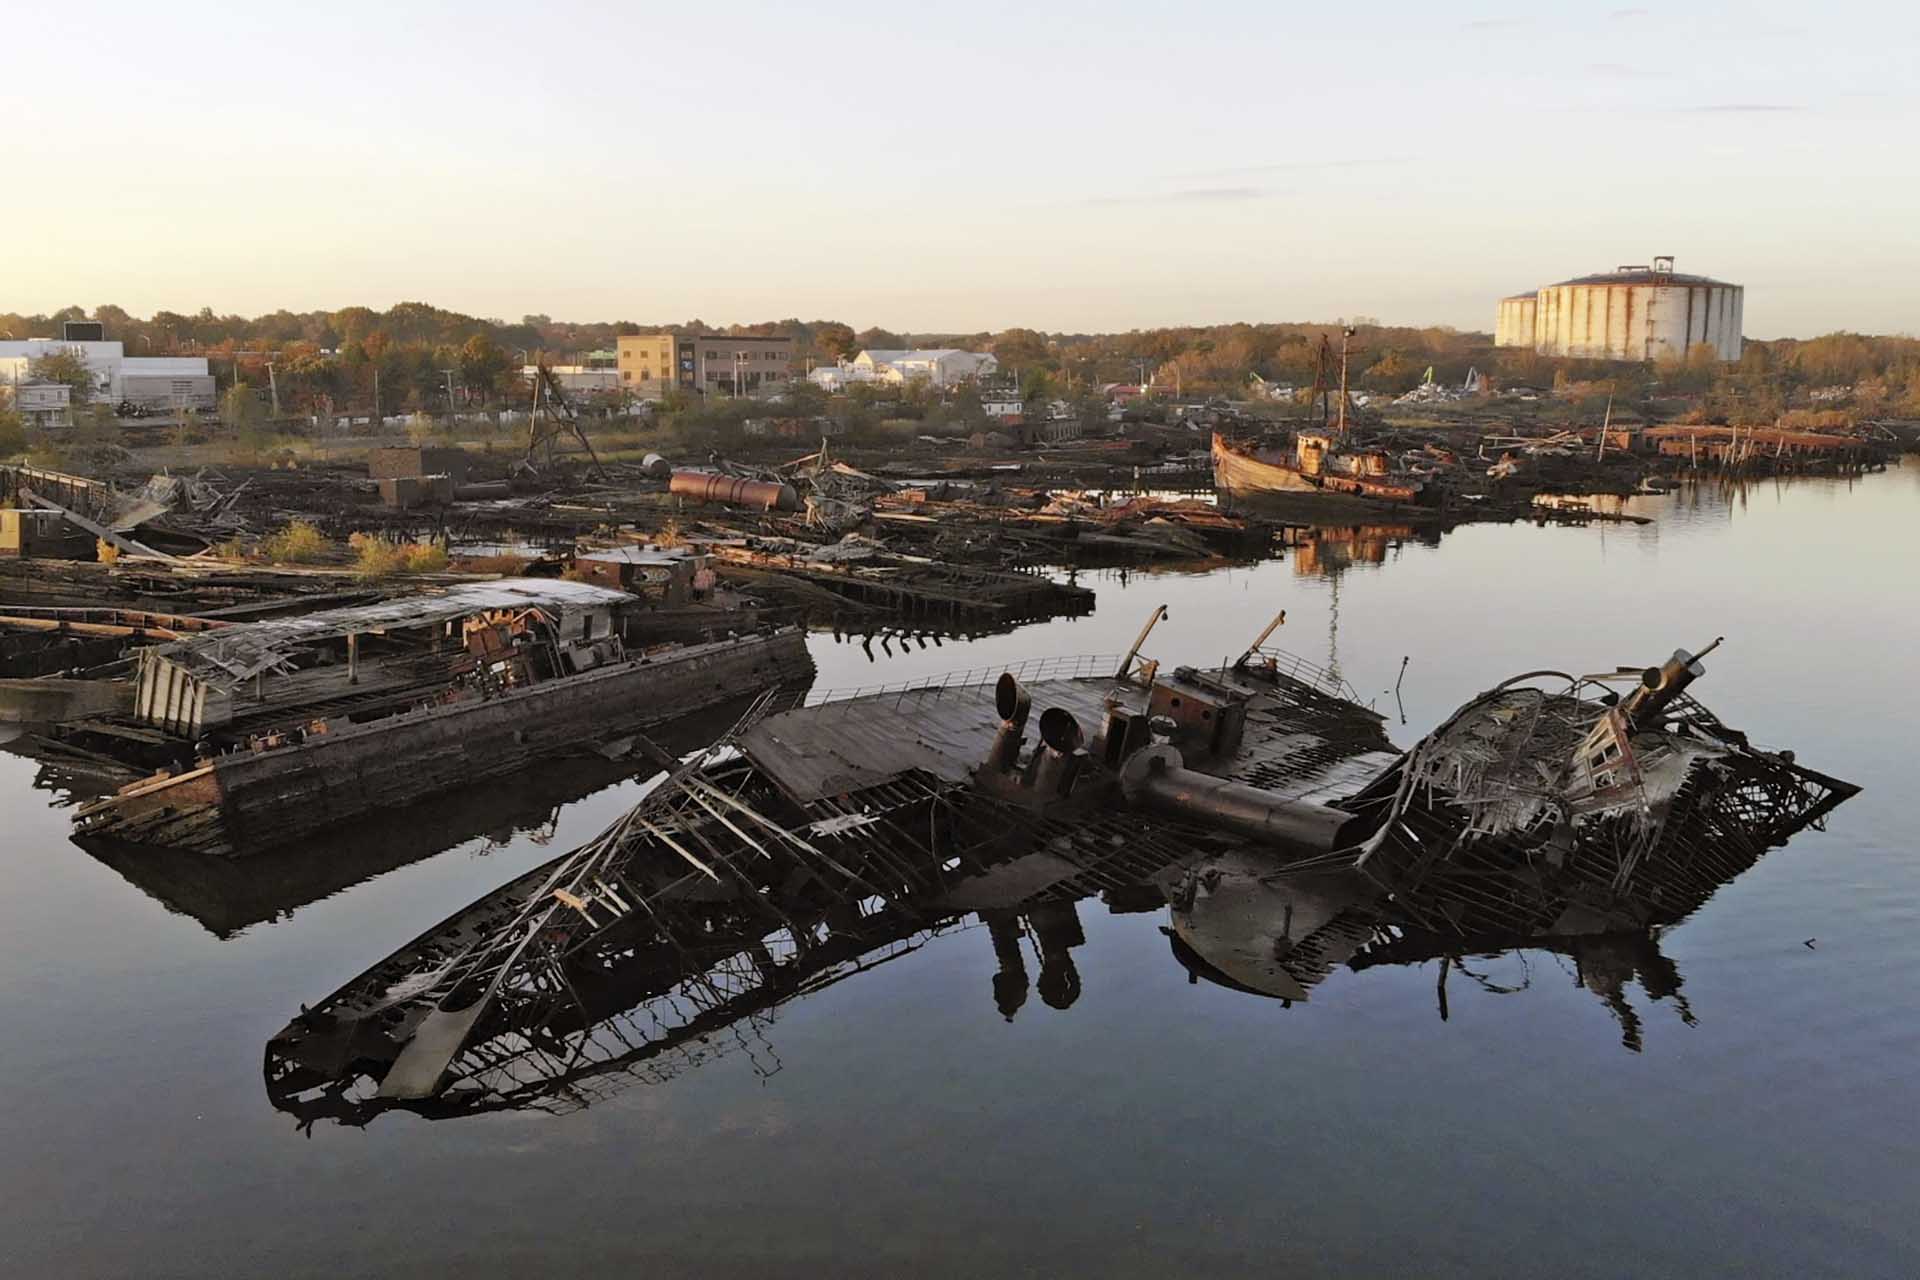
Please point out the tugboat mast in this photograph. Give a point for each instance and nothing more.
(1340, 430)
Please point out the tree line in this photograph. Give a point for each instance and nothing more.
(420, 356)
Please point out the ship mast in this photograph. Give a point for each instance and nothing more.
(1340, 430)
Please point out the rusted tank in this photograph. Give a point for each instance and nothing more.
(732, 491)
(1639, 313)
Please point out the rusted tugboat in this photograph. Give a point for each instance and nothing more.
(814, 841)
(1315, 478)
(1322, 476)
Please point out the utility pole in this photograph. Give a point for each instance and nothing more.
(376, 396)
(1140, 367)
(273, 386)
(450, 409)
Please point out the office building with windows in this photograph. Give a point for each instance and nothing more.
(706, 363)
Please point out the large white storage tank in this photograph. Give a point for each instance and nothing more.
(1514, 325)
(1639, 313)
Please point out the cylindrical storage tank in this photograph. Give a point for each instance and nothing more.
(732, 491)
(1639, 313)
(1514, 326)
(656, 466)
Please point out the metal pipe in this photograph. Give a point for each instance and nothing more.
(1660, 685)
(1158, 779)
(1013, 702)
(711, 486)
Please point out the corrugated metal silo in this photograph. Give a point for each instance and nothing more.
(1639, 313)
(1515, 324)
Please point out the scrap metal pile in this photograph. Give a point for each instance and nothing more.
(1257, 800)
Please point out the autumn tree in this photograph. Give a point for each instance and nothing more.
(484, 365)
(1020, 349)
(835, 340)
(68, 366)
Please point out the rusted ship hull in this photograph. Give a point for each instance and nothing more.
(250, 800)
(1287, 494)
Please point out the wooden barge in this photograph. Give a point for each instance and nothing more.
(301, 723)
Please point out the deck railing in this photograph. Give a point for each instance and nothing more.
(1066, 667)
(1062, 667)
(1298, 668)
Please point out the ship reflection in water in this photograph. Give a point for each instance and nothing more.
(1256, 805)
(1326, 551)
(229, 895)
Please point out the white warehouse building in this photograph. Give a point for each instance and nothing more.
(155, 382)
(940, 366)
(1631, 313)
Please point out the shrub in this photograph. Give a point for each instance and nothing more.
(298, 543)
(375, 557)
(425, 557)
(378, 557)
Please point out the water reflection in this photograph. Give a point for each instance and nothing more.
(229, 895)
(647, 1012)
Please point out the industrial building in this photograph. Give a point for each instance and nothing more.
(1629, 313)
(161, 383)
(576, 379)
(707, 363)
(938, 366)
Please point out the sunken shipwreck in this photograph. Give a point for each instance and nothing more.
(1256, 802)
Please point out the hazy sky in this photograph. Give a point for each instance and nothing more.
(1076, 166)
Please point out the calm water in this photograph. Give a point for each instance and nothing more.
(897, 1123)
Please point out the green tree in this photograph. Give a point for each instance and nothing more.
(484, 365)
(65, 365)
(240, 411)
(13, 434)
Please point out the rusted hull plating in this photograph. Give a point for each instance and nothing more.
(1287, 493)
